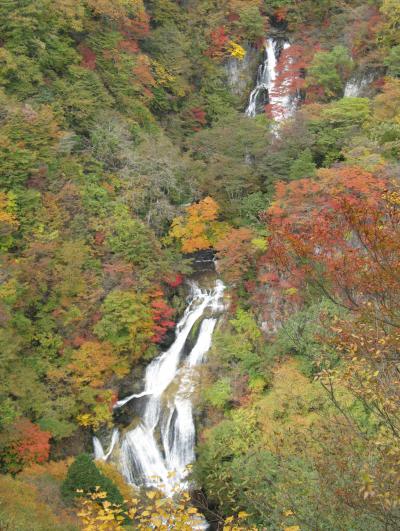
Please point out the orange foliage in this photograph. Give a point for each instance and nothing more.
(235, 253)
(219, 40)
(198, 229)
(23, 443)
(55, 469)
(88, 57)
(131, 16)
(143, 75)
(319, 232)
(93, 364)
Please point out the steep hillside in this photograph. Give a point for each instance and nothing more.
(135, 133)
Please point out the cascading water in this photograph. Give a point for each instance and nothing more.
(267, 91)
(357, 85)
(157, 452)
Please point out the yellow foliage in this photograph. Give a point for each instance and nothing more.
(8, 221)
(72, 11)
(94, 363)
(100, 410)
(155, 512)
(116, 9)
(236, 50)
(112, 473)
(163, 77)
(55, 469)
(199, 228)
(291, 407)
(23, 507)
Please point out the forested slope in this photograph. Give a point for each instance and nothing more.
(124, 148)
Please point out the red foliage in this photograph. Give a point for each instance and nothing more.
(88, 57)
(99, 238)
(319, 230)
(280, 14)
(292, 64)
(199, 118)
(162, 314)
(174, 281)
(365, 31)
(233, 17)
(129, 46)
(31, 443)
(235, 253)
(138, 27)
(219, 40)
(114, 400)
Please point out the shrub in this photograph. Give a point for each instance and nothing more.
(83, 475)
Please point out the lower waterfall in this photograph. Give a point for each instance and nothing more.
(158, 451)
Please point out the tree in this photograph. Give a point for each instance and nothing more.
(251, 23)
(303, 167)
(392, 61)
(327, 73)
(84, 477)
(127, 322)
(236, 253)
(153, 512)
(23, 443)
(199, 228)
(391, 11)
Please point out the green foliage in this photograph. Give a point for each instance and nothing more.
(81, 96)
(132, 240)
(301, 335)
(392, 61)
(335, 125)
(83, 476)
(251, 23)
(219, 393)
(226, 148)
(329, 70)
(251, 206)
(241, 344)
(303, 167)
(236, 474)
(127, 322)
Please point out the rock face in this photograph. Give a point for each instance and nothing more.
(242, 73)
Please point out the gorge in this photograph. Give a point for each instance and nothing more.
(199, 265)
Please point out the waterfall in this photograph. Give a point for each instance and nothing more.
(267, 90)
(157, 452)
(99, 452)
(357, 85)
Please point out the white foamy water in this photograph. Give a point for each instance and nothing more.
(281, 103)
(158, 451)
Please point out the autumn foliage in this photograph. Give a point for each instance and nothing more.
(23, 444)
(198, 229)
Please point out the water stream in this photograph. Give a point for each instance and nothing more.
(157, 452)
(358, 84)
(267, 89)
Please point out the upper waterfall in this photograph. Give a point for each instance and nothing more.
(267, 90)
(159, 449)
